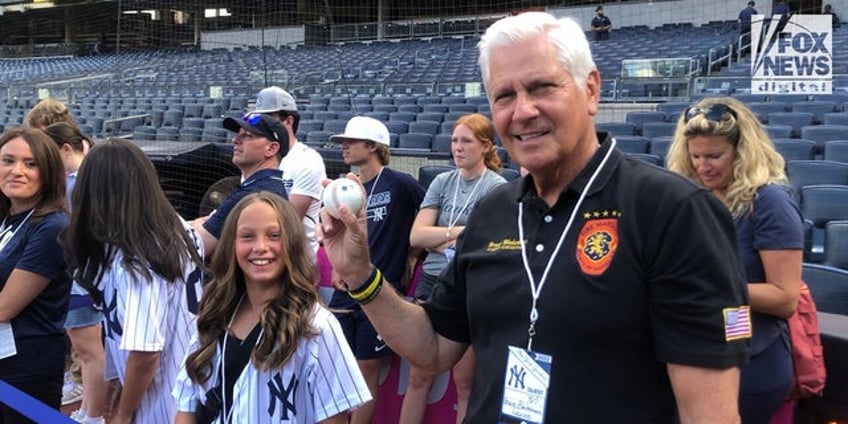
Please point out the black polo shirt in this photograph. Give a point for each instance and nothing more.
(655, 265)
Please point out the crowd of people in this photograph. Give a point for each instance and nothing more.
(219, 320)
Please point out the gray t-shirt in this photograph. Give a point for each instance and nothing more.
(454, 204)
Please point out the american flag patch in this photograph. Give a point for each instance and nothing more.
(737, 323)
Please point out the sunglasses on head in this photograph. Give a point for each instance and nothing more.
(713, 112)
(252, 118)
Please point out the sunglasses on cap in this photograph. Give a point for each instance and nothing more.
(713, 112)
(251, 118)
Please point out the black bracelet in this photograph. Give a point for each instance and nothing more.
(373, 294)
(364, 286)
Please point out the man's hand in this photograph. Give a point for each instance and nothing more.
(346, 242)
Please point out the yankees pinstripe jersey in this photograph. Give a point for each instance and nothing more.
(321, 380)
(150, 316)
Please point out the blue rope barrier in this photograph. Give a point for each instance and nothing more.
(29, 406)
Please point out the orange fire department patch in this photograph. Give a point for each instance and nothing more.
(596, 245)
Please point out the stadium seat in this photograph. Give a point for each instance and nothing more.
(672, 110)
(380, 116)
(193, 123)
(453, 116)
(318, 136)
(795, 149)
(193, 111)
(836, 244)
(167, 134)
(463, 108)
(215, 135)
(829, 287)
(817, 108)
(822, 204)
(403, 116)
(763, 109)
(144, 132)
(410, 108)
(836, 118)
(415, 140)
(427, 173)
(617, 128)
(632, 144)
(308, 125)
(814, 172)
(836, 150)
(172, 118)
(510, 174)
(397, 127)
(796, 120)
(778, 131)
(190, 134)
(335, 126)
(384, 108)
(435, 108)
(323, 115)
(430, 116)
(442, 143)
(658, 129)
(639, 118)
(659, 147)
(212, 111)
(822, 133)
(428, 127)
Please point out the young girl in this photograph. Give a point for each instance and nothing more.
(140, 261)
(266, 350)
(83, 322)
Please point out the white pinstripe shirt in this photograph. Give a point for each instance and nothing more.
(321, 380)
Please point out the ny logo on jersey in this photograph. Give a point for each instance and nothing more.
(110, 314)
(378, 214)
(283, 394)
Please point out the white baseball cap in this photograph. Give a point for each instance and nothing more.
(363, 128)
(274, 99)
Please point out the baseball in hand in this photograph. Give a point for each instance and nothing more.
(342, 192)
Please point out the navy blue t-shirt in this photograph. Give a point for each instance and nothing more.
(391, 210)
(40, 326)
(773, 223)
(270, 179)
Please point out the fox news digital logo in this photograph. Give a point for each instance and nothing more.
(791, 55)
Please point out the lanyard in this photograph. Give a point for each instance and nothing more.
(536, 290)
(7, 234)
(371, 192)
(451, 221)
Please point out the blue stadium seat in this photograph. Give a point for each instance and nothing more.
(672, 110)
(659, 147)
(817, 108)
(795, 149)
(778, 131)
(167, 134)
(380, 116)
(308, 125)
(836, 244)
(324, 115)
(829, 287)
(453, 116)
(823, 133)
(427, 173)
(814, 172)
(464, 108)
(215, 135)
(397, 127)
(388, 108)
(416, 140)
(796, 120)
(435, 108)
(403, 116)
(836, 150)
(632, 144)
(144, 132)
(410, 108)
(193, 123)
(335, 126)
(442, 143)
(212, 111)
(639, 118)
(428, 127)
(172, 118)
(190, 134)
(510, 174)
(658, 129)
(617, 128)
(763, 109)
(836, 118)
(193, 111)
(430, 116)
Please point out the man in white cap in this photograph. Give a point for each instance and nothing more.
(303, 167)
(391, 206)
(258, 145)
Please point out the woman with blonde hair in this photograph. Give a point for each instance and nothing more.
(441, 218)
(720, 143)
(266, 349)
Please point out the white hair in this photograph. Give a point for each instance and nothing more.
(565, 35)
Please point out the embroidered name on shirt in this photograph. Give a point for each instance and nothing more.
(505, 244)
(597, 241)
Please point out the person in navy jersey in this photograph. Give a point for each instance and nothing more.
(720, 143)
(259, 144)
(392, 202)
(34, 286)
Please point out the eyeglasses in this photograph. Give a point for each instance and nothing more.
(713, 112)
(252, 118)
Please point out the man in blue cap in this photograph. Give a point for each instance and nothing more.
(259, 144)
